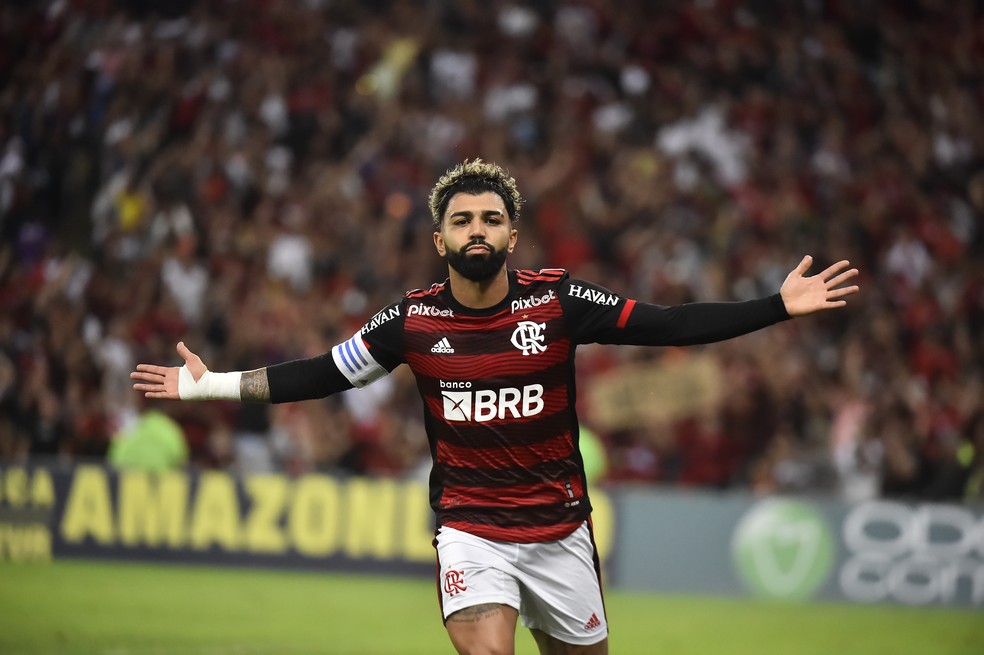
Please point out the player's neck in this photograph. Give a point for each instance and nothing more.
(479, 295)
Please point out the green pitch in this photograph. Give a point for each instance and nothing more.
(64, 607)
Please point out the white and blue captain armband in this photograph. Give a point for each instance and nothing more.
(356, 364)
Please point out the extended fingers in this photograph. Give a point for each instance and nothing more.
(153, 368)
(804, 265)
(833, 269)
(841, 292)
(186, 353)
(148, 380)
(838, 280)
(150, 369)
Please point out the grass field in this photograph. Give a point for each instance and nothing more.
(70, 607)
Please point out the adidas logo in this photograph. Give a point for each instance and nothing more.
(592, 623)
(443, 347)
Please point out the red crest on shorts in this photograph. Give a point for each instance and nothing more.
(454, 582)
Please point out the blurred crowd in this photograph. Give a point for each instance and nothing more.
(251, 177)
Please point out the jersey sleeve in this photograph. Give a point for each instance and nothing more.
(375, 350)
(598, 315)
(305, 379)
(369, 354)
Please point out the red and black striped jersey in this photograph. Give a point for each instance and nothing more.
(498, 388)
(498, 391)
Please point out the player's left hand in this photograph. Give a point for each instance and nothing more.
(805, 295)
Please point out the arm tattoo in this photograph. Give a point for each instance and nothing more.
(254, 387)
(475, 613)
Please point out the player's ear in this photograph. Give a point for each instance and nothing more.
(513, 238)
(439, 244)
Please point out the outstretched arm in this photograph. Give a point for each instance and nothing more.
(596, 314)
(805, 295)
(300, 379)
(193, 381)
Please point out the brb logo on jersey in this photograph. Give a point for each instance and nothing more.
(488, 404)
(528, 337)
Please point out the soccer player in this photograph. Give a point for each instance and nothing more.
(492, 350)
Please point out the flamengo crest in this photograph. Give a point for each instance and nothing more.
(454, 582)
(528, 337)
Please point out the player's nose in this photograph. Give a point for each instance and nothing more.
(477, 230)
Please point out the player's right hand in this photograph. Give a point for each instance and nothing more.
(162, 381)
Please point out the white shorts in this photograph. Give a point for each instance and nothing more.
(555, 586)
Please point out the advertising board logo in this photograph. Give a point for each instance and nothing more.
(783, 549)
(917, 555)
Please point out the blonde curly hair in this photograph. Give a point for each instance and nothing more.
(474, 177)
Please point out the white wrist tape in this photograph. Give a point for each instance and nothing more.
(211, 386)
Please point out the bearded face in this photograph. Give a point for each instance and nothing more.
(475, 236)
(477, 260)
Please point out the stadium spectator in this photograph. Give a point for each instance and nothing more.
(154, 443)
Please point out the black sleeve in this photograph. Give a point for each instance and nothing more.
(305, 379)
(369, 354)
(597, 315)
(699, 322)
